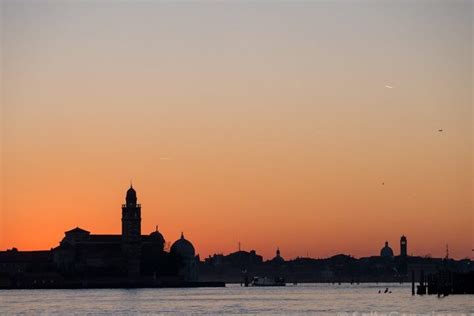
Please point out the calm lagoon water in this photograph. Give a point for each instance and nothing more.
(301, 299)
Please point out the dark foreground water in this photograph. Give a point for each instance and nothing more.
(301, 299)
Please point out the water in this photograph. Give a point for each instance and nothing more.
(234, 299)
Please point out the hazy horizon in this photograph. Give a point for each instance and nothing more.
(309, 126)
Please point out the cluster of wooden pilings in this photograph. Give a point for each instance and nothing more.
(443, 283)
(422, 287)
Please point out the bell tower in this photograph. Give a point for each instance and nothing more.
(131, 232)
(403, 247)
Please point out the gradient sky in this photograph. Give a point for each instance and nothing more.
(269, 123)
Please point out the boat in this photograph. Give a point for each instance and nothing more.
(266, 281)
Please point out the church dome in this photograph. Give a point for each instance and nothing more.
(278, 258)
(386, 251)
(183, 248)
(157, 237)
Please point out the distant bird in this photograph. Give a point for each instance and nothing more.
(388, 87)
(440, 130)
(383, 183)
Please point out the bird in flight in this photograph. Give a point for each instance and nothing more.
(440, 130)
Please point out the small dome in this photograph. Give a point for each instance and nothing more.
(386, 251)
(278, 258)
(183, 248)
(131, 197)
(157, 237)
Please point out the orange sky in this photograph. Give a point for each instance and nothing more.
(268, 124)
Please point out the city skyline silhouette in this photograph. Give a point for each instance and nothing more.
(237, 157)
(132, 200)
(320, 128)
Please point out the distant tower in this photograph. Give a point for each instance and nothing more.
(403, 246)
(131, 232)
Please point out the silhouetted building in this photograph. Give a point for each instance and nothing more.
(189, 264)
(278, 259)
(403, 246)
(244, 258)
(239, 259)
(128, 253)
(239, 266)
(386, 251)
(131, 259)
(81, 254)
(131, 232)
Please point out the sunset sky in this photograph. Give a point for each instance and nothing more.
(312, 126)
